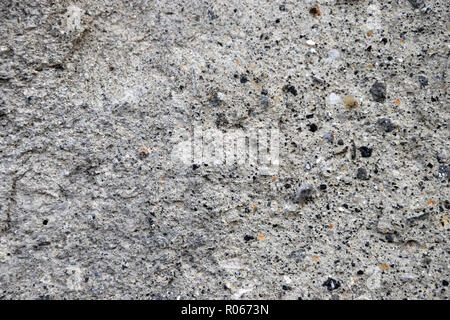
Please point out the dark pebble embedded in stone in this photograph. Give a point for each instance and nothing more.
(360, 272)
(378, 91)
(303, 193)
(297, 255)
(244, 79)
(444, 172)
(142, 155)
(264, 101)
(423, 81)
(314, 11)
(328, 137)
(366, 152)
(386, 124)
(418, 218)
(389, 238)
(211, 15)
(313, 127)
(362, 174)
(248, 238)
(445, 283)
(331, 284)
(286, 288)
(290, 89)
(416, 3)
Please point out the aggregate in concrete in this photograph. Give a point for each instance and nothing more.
(101, 193)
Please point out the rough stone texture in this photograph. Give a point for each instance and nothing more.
(94, 205)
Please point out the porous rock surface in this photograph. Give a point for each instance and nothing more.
(94, 204)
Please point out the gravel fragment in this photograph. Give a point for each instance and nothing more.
(378, 91)
(386, 124)
(444, 171)
(366, 152)
(331, 284)
(423, 81)
(304, 193)
(416, 3)
(362, 174)
(297, 255)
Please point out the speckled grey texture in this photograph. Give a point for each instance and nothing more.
(94, 204)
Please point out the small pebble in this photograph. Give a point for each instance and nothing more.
(366, 152)
(331, 284)
(313, 127)
(416, 3)
(389, 238)
(333, 55)
(248, 238)
(328, 137)
(444, 172)
(386, 124)
(362, 174)
(423, 81)
(291, 89)
(315, 11)
(350, 102)
(334, 99)
(297, 255)
(378, 91)
(264, 101)
(303, 193)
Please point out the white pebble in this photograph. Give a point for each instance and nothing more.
(334, 98)
(334, 54)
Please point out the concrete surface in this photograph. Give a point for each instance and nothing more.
(102, 195)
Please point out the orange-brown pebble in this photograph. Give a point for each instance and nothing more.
(384, 267)
(350, 102)
(315, 11)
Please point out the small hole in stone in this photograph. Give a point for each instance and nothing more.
(45, 222)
